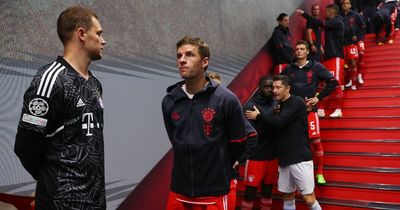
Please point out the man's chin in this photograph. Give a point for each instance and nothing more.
(96, 57)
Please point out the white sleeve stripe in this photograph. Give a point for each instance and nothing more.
(44, 77)
(48, 78)
(53, 81)
(55, 132)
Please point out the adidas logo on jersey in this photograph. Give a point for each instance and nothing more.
(80, 103)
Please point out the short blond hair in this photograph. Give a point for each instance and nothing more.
(214, 76)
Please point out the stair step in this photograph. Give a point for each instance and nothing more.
(383, 51)
(368, 93)
(368, 112)
(371, 122)
(381, 69)
(372, 146)
(377, 87)
(382, 82)
(367, 134)
(379, 53)
(326, 203)
(389, 176)
(360, 191)
(382, 75)
(371, 102)
(361, 159)
(371, 59)
(374, 48)
(371, 38)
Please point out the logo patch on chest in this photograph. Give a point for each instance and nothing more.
(309, 77)
(175, 116)
(208, 114)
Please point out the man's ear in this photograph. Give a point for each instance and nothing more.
(206, 61)
(81, 32)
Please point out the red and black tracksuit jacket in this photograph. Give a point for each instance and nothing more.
(353, 26)
(266, 147)
(204, 132)
(281, 45)
(304, 81)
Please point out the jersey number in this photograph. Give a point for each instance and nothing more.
(312, 125)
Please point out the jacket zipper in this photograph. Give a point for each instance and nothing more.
(190, 147)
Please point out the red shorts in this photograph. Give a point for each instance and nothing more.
(279, 68)
(223, 202)
(336, 67)
(258, 171)
(361, 47)
(350, 52)
(313, 125)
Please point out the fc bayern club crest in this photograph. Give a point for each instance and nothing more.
(309, 74)
(208, 114)
(175, 116)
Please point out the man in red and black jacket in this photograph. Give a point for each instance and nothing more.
(306, 75)
(262, 167)
(204, 122)
(353, 32)
(280, 44)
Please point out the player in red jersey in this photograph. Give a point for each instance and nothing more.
(353, 27)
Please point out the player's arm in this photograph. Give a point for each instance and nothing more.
(309, 32)
(251, 143)
(241, 133)
(331, 82)
(29, 149)
(285, 116)
(362, 26)
(311, 19)
(249, 106)
(166, 107)
(36, 122)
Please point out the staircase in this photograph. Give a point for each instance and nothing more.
(362, 149)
